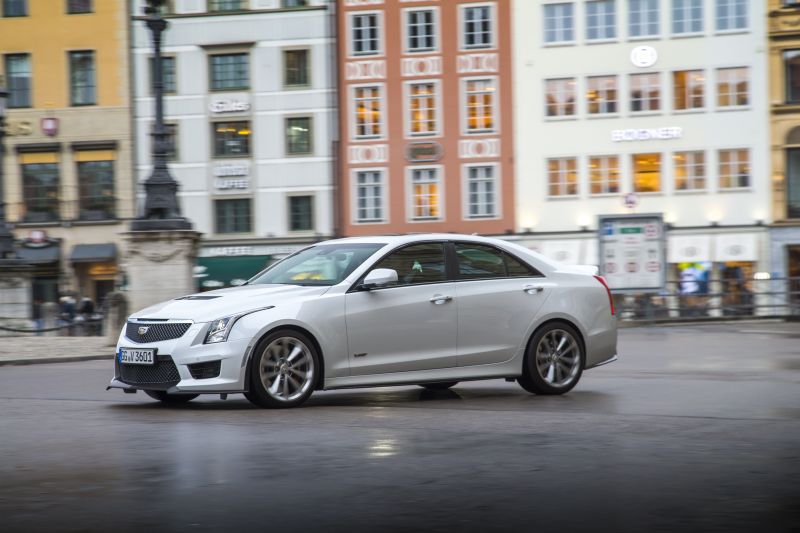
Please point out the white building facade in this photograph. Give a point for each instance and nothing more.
(660, 102)
(250, 103)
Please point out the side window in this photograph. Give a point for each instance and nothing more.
(476, 261)
(416, 264)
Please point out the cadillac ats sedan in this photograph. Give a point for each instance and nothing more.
(427, 310)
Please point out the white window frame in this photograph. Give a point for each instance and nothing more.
(749, 163)
(352, 114)
(718, 78)
(495, 106)
(617, 101)
(462, 45)
(604, 39)
(687, 12)
(731, 5)
(440, 182)
(465, 181)
(660, 85)
(646, 23)
(350, 37)
(576, 100)
(691, 174)
(605, 181)
(560, 28)
(384, 184)
(438, 116)
(563, 183)
(436, 30)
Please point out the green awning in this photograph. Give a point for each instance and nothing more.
(218, 272)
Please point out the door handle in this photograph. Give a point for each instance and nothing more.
(439, 299)
(532, 289)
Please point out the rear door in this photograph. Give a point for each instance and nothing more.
(498, 296)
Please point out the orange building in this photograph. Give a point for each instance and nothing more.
(426, 117)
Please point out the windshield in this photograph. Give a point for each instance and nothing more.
(324, 264)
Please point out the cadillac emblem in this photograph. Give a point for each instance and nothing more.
(143, 330)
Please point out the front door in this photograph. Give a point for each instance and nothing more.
(409, 326)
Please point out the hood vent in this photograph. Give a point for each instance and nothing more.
(198, 297)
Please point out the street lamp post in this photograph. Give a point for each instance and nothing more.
(6, 237)
(161, 209)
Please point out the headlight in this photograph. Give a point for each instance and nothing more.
(219, 329)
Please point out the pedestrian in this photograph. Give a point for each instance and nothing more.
(38, 321)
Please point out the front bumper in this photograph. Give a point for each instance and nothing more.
(171, 372)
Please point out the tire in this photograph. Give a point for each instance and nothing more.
(442, 385)
(552, 365)
(171, 399)
(284, 370)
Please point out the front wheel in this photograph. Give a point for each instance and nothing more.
(284, 370)
(442, 385)
(172, 399)
(554, 360)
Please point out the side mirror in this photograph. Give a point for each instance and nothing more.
(380, 277)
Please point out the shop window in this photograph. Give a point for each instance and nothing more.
(295, 68)
(560, 97)
(82, 78)
(601, 20)
(230, 72)
(733, 87)
(645, 92)
(18, 80)
(301, 213)
(298, 136)
(231, 139)
(690, 171)
(688, 89)
(647, 172)
(40, 192)
(601, 95)
(604, 174)
(559, 23)
(233, 216)
(562, 176)
(734, 169)
(425, 194)
(96, 185)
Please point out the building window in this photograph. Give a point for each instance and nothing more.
(421, 30)
(295, 68)
(172, 140)
(734, 169)
(301, 213)
(294, 3)
(298, 136)
(687, 16)
(231, 139)
(422, 109)
(40, 191)
(601, 20)
(369, 112)
(690, 171)
(559, 24)
(643, 18)
(82, 78)
(562, 176)
(233, 216)
(76, 7)
(647, 172)
(230, 72)
(15, 8)
(18, 80)
(96, 185)
(791, 61)
(370, 196)
(560, 97)
(480, 99)
(733, 87)
(688, 88)
(477, 27)
(217, 6)
(793, 183)
(604, 174)
(731, 15)
(601, 95)
(481, 192)
(366, 34)
(167, 74)
(645, 92)
(425, 194)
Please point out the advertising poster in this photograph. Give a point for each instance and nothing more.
(632, 252)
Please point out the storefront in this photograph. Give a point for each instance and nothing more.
(785, 272)
(44, 256)
(95, 267)
(229, 266)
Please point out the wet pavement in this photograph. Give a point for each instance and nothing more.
(696, 428)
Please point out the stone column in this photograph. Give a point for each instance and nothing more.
(15, 297)
(159, 265)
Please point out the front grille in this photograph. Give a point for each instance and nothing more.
(206, 370)
(156, 332)
(163, 374)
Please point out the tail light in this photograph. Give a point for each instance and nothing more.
(602, 281)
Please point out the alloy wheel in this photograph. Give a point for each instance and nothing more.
(287, 369)
(558, 358)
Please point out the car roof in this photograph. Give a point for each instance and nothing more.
(413, 237)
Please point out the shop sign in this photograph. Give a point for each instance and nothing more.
(231, 184)
(230, 251)
(228, 105)
(426, 152)
(49, 126)
(646, 134)
(37, 236)
(18, 128)
(644, 56)
(102, 269)
(632, 252)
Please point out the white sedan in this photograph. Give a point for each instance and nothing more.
(430, 310)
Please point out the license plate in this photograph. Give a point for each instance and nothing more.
(133, 356)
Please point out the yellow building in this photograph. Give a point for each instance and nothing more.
(67, 174)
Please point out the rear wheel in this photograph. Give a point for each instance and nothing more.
(284, 370)
(172, 399)
(554, 360)
(442, 385)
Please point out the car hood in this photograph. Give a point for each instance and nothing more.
(207, 306)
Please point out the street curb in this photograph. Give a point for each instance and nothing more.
(50, 360)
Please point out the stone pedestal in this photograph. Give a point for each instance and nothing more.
(159, 265)
(15, 296)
